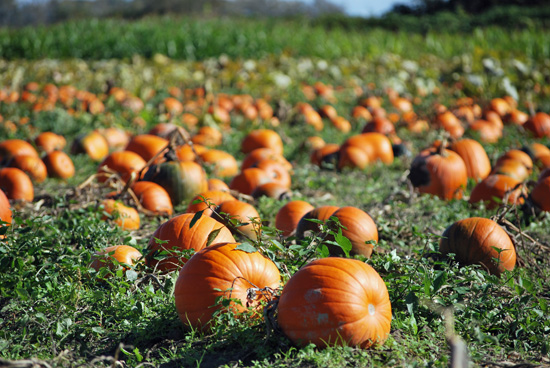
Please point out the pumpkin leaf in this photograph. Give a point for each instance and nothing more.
(195, 218)
(246, 247)
(343, 242)
(212, 236)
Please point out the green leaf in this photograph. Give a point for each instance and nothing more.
(98, 330)
(246, 247)
(343, 242)
(213, 234)
(23, 294)
(131, 275)
(195, 218)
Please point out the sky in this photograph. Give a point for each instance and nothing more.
(365, 8)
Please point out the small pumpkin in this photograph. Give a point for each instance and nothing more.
(59, 165)
(127, 218)
(359, 228)
(5, 210)
(153, 197)
(261, 154)
(440, 172)
(540, 194)
(289, 215)
(497, 186)
(223, 163)
(217, 184)
(125, 163)
(15, 147)
(217, 271)
(49, 141)
(539, 125)
(478, 165)
(147, 146)
(177, 234)
(92, 144)
(380, 125)
(482, 241)
(272, 190)
(262, 138)
(16, 184)
(243, 213)
(215, 197)
(377, 146)
(123, 254)
(33, 166)
(249, 179)
(335, 301)
(116, 138)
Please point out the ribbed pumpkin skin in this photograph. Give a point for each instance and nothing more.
(478, 165)
(180, 236)
(243, 213)
(216, 197)
(124, 163)
(16, 184)
(122, 253)
(359, 228)
(289, 215)
(153, 197)
(541, 194)
(496, 186)
(443, 175)
(473, 239)
(182, 180)
(322, 213)
(335, 301)
(221, 267)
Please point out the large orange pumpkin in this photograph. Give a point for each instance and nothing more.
(440, 172)
(49, 141)
(497, 186)
(33, 166)
(243, 213)
(539, 125)
(335, 301)
(223, 164)
(222, 271)
(15, 147)
(249, 179)
(262, 138)
(473, 241)
(377, 146)
(177, 234)
(153, 197)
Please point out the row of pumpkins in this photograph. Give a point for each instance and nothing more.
(310, 305)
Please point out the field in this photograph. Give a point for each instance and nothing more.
(55, 310)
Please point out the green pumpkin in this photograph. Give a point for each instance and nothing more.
(182, 180)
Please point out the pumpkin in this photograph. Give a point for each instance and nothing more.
(537, 152)
(262, 138)
(222, 271)
(147, 146)
(517, 117)
(208, 136)
(249, 179)
(513, 168)
(185, 152)
(93, 144)
(540, 194)
(314, 142)
(223, 164)
(328, 111)
(377, 146)
(172, 106)
(216, 197)
(342, 124)
(217, 184)
(15, 147)
(31, 165)
(539, 125)
(116, 138)
(16, 184)
(361, 112)
(496, 186)
(379, 125)
(261, 154)
(500, 106)
(474, 156)
(289, 215)
(440, 172)
(241, 212)
(473, 241)
(153, 197)
(125, 163)
(127, 218)
(352, 157)
(275, 171)
(182, 180)
(487, 131)
(5, 210)
(177, 234)
(335, 301)
(59, 165)
(49, 141)
(163, 130)
(359, 228)
(123, 254)
(517, 155)
(272, 190)
(326, 155)
(322, 213)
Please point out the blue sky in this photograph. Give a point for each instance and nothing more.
(368, 7)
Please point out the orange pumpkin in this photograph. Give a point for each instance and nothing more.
(379, 125)
(249, 179)
(352, 157)
(377, 146)
(116, 138)
(16, 184)
(147, 146)
(497, 186)
(93, 144)
(59, 165)
(223, 164)
(322, 213)
(262, 138)
(222, 271)
(217, 184)
(5, 210)
(15, 147)
(123, 254)
(539, 125)
(475, 158)
(127, 218)
(275, 171)
(326, 155)
(440, 172)
(215, 197)
(289, 215)
(272, 190)
(177, 235)
(125, 163)
(31, 165)
(359, 228)
(243, 213)
(260, 154)
(473, 241)
(335, 301)
(540, 194)
(153, 197)
(49, 141)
